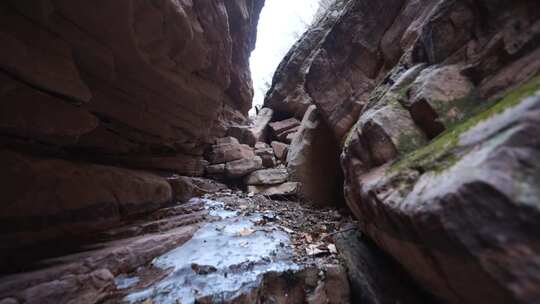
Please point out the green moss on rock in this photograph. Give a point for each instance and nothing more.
(443, 151)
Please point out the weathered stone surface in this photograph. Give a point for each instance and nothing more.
(229, 152)
(285, 189)
(242, 167)
(288, 135)
(89, 276)
(256, 131)
(47, 198)
(334, 289)
(261, 145)
(184, 188)
(312, 160)
(259, 127)
(29, 113)
(440, 97)
(215, 169)
(280, 150)
(267, 177)
(243, 133)
(68, 50)
(288, 96)
(279, 127)
(431, 170)
(487, 160)
(227, 140)
(267, 155)
(374, 277)
(345, 67)
(135, 84)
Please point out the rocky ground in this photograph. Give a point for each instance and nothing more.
(122, 266)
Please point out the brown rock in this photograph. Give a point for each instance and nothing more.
(267, 155)
(215, 169)
(288, 135)
(267, 177)
(285, 189)
(279, 127)
(38, 57)
(44, 198)
(229, 152)
(341, 78)
(243, 167)
(184, 188)
(435, 188)
(180, 164)
(260, 124)
(280, 150)
(227, 140)
(334, 289)
(439, 98)
(312, 160)
(29, 113)
(89, 276)
(373, 277)
(243, 134)
(261, 145)
(287, 94)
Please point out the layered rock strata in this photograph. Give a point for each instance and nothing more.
(434, 105)
(93, 87)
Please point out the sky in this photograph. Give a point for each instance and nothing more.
(280, 25)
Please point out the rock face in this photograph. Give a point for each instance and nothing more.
(312, 160)
(45, 197)
(434, 105)
(134, 84)
(374, 278)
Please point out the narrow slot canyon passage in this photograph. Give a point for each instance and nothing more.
(269, 151)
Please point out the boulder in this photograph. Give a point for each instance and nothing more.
(374, 278)
(288, 135)
(267, 177)
(285, 189)
(242, 167)
(215, 169)
(227, 140)
(243, 134)
(440, 97)
(268, 157)
(278, 127)
(261, 145)
(444, 203)
(312, 160)
(280, 150)
(334, 289)
(259, 128)
(256, 131)
(229, 152)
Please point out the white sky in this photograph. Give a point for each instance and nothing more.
(280, 24)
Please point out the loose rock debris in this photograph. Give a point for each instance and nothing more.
(311, 229)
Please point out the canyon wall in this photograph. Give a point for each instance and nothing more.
(92, 92)
(435, 106)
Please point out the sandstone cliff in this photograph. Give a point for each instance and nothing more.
(435, 106)
(93, 89)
